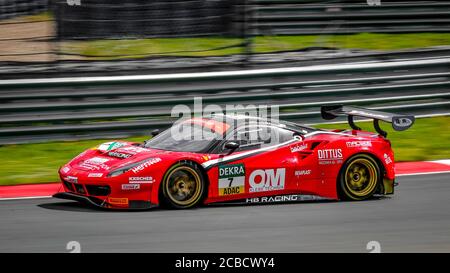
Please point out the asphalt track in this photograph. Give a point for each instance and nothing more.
(415, 219)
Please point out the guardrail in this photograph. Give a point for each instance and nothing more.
(67, 108)
(224, 75)
(13, 8)
(299, 17)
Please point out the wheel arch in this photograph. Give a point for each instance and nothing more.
(156, 191)
(379, 161)
(372, 155)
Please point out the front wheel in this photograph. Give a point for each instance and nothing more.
(183, 186)
(359, 178)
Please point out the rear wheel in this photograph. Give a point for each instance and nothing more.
(359, 178)
(183, 186)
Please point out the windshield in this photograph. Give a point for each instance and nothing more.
(190, 136)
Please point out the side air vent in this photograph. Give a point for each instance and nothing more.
(315, 144)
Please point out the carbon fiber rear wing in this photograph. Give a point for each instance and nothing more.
(399, 122)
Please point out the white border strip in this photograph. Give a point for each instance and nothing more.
(441, 161)
(412, 174)
(28, 197)
(235, 157)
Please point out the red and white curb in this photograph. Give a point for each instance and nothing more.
(35, 191)
(422, 168)
(32, 191)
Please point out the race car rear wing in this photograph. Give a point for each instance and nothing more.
(399, 122)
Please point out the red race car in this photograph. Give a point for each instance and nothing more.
(222, 159)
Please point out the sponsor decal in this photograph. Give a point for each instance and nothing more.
(95, 175)
(231, 179)
(108, 146)
(402, 122)
(96, 160)
(89, 167)
(302, 172)
(71, 179)
(330, 156)
(118, 201)
(387, 159)
(119, 155)
(354, 144)
(65, 169)
(134, 149)
(298, 148)
(284, 198)
(267, 180)
(95, 163)
(141, 179)
(146, 164)
(128, 187)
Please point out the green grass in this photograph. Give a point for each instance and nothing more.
(39, 163)
(44, 16)
(199, 47)
(368, 41)
(214, 46)
(138, 48)
(428, 139)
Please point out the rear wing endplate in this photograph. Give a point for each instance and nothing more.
(399, 122)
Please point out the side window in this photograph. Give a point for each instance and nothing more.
(247, 137)
(254, 137)
(284, 135)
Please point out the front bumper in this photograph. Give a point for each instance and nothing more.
(102, 203)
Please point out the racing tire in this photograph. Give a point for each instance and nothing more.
(183, 186)
(359, 178)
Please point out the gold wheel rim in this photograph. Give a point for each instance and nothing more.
(361, 177)
(183, 185)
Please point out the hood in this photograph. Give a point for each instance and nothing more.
(113, 155)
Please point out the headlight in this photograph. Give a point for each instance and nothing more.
(118, 172)
(126, 168)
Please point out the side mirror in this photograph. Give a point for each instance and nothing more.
(232, 146)
(155, 132)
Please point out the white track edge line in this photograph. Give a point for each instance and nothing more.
(26, 197)
(424, 173)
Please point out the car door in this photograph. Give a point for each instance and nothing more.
(264, 164)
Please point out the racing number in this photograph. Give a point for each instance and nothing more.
(231, 182)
